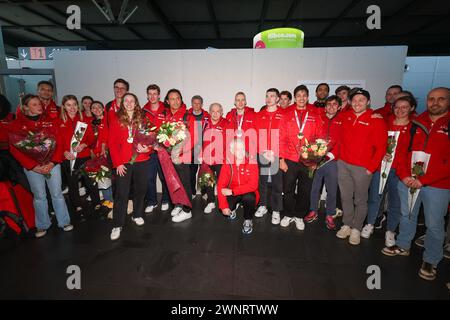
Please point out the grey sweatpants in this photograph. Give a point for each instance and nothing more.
(354, 184)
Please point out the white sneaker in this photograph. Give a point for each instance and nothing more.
(262, 210)
(130, 207)
(164, 207)
(389, 239)
(149, 209)
(88, 198)
(339, 213)
(355, 237)
(182, 216)
(299, 223)
(82, 191)
(193, 196)
(275, 218)
(286, 221)
(175, 211)
(115, 233)
(367, 231)
(40, 233)
(65, 191)
(139, 221)
(68, 227)
(110, 214)
(344, 232)
(209, 207)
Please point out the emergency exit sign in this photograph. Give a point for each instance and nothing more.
(43, 53)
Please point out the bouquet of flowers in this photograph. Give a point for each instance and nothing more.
(389, 158)
(311, 154)
(206, 177)
(419, 164)
(78, 135)
(98, 169)
(39, 146)
(145, 136)
(171, 134)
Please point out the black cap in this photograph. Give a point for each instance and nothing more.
(365, 93)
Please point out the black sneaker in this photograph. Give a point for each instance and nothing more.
(420, 241)
(447, 251)
(427, 271)
(380, 220)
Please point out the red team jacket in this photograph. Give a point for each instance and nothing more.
(402, 142)
(364, 140)
(66, 131)
(313, 129)
(240, 179)
(51, 111)
(248, 123)
(214, 142)
(51, 126)
(332, 129)
(269, 123)
(438, 145)
(154, 117)
(385, 111)
(120, 150)
(101, 135)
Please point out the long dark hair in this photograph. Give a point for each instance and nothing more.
(5, 107)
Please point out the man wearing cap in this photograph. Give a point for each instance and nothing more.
(360, 150)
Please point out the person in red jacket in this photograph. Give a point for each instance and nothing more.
(213, 151)
(391, 95)
(100, 126)
(32, 119)
(430, 135)
(327, 173)
(285, 99)
(342, 92)
(403, 107)
(360, 151)
(181, 155)
(299, 120)
(154, 109)
(121, 87)
(128, 120)
(200, 119)
(238, 184)
(71, 115)
(242, 123)
(45, 91)
(268, 124)
(322, 92)
(86, 103)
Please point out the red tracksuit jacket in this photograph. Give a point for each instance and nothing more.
(23, 123)
(313, 129)
(66, 131)
(213, 141)
(248, 124)
(155, 117)
(269, 126)
(364, 140)
(240, 179)
(332, 130)
(438, 145)
(101, 135)
(120, 150)
(402, 142)
(385, 111)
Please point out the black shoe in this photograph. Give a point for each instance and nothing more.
(380, 220)
(427, 271)
(420, 241)
(447, 251)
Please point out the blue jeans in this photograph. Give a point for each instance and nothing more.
(155, 169)
(435, 204)
(107, 194)
(393, 217)
(37, 183)
(328, 173)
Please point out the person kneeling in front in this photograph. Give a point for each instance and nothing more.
(238, 185)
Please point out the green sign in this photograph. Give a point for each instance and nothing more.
(279, 38)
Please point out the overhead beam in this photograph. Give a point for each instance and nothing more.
(212, 15)
(153, 6)
(263, 15)
(339, 17)
(292, 8)
(28, 29)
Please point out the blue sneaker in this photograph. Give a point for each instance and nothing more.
(247, 227)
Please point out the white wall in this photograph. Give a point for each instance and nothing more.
(218, 74)
(425, 73)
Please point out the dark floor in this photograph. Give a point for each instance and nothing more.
(208, 257)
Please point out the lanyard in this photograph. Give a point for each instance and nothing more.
(298, 121)
(240, 121)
